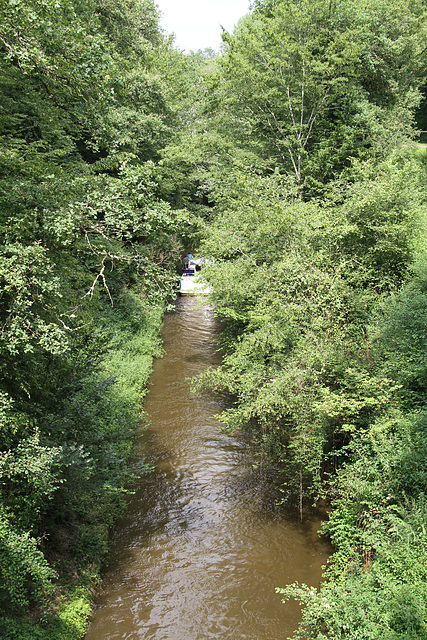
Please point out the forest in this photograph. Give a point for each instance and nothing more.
(295, 159)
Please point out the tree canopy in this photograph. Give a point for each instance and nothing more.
(88, 256)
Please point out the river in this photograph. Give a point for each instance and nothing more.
(203, 543)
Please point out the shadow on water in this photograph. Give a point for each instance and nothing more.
(203, 544)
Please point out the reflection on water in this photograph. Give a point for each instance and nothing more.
(203, 544)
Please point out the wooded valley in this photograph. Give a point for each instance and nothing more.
(294, 160)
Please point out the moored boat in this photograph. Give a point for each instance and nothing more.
(191, 282)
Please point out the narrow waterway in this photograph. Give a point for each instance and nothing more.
(203, 544)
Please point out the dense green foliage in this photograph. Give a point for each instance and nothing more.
(88, 251)
(317, 228)
(290, 159)
(312, 84)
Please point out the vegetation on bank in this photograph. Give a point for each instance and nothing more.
(88, 261)
(290, 158)
(319, 236)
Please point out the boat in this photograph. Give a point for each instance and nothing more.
(191, 282)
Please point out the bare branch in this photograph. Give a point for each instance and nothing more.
(98, 277)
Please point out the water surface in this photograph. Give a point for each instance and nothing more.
(203, 544)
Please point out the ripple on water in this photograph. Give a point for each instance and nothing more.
(203, 544)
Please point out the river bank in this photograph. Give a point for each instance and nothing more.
(203, 543)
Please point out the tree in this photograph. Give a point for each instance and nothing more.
(88, 251)
(309, 84)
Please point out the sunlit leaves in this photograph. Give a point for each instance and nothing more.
(26, 576)
(84, 110)
(310, 84)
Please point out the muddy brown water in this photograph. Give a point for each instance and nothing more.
(203, 543)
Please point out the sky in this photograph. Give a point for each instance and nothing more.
(197, 23)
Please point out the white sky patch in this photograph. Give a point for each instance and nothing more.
(197, 23)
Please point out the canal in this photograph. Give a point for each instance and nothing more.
(203, 543)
